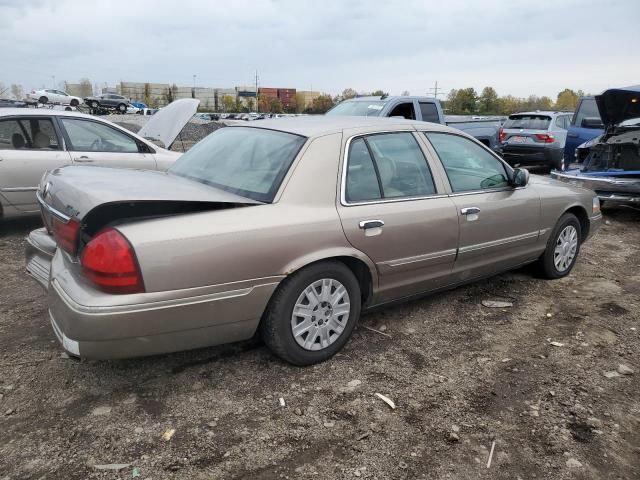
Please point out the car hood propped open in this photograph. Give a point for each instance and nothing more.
(619, 104)
(169, 121)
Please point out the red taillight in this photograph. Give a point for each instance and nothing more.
(545, 137)
(110, 263)
(66, 234)
(502, 135)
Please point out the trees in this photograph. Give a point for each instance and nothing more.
(349, 93)
(405, 93)
(488, 103)
(378, 93)
(322, 103)
(462, 102)
(228, 103)
(85, 89)
(17, 91)
(567, 100)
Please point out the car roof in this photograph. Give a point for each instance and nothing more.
(369, 98)
(314, 126)
(47, 112)
(544, 112)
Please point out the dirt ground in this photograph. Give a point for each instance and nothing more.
(462, 376)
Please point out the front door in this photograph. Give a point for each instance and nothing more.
(499, 224)
(29, 146)
(392, 209)
(95, 143)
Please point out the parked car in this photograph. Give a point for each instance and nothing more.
(108, 101)
(426, 109)
(290, 227)
(34, 141)
(50, 95)
(585, 125)
(535, 138)
(8, 103)
(611, 161)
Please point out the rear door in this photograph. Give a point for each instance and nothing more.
(92, 142)
(393, 209)
(29, 146)
(499, 224)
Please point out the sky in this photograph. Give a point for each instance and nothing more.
(518, 47)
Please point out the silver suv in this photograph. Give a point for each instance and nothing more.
(535, 138)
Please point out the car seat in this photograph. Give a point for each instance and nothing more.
(41, 140)
(17, 140)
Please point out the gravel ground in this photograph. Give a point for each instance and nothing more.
(530, 377)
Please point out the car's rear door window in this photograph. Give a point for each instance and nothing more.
(469, 166)
(528, 122)
(90, 136)
(387, 166)
(28, 134)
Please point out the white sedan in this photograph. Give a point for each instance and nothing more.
(33, 141)
(50, 95)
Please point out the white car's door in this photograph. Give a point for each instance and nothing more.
(29, 146)
(92, 142)
(54, 96)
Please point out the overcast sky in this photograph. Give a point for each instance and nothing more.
(518, 47)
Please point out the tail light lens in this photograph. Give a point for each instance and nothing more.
(545, 137)
(66, 234)
(502, 135)
(109, 262)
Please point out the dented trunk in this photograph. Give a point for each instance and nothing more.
(77, 202)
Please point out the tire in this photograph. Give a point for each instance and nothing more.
(43, 99)
(276, 327)
(122, 108)
(547, 262)
(94, 104)
(74, 103)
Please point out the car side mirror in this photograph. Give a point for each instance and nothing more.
(591, 122)
(520, 177)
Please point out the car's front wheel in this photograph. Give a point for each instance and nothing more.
(563, 247)
(74, 103)
(43, 99)
(312, 314)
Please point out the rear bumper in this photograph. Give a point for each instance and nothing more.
(533, 155)
(95, 325)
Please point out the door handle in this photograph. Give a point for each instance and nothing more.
(364, 224)
(83, 159)
(470, 211)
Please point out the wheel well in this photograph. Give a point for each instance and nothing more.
(583, 219)
(362, 273)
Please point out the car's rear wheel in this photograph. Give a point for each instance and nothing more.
(43, 99)
(122, 108)
(312, 314)
(563, 247)
(74, 103)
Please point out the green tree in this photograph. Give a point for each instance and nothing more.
(228, 103)
(567, 100)
(322, 104)
(251, 103)
(275, 106)
(463, 101)
(378, 93)
(488, 102)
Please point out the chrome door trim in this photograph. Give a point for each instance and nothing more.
(19, 189)
(420, 258)
(497, 243)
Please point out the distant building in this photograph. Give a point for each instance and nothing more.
(287, 97)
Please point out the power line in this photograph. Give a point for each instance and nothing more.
(436, 90)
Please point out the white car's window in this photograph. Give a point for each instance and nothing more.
(468, 165)
(250, 162)
(89, 136)
(28, 134)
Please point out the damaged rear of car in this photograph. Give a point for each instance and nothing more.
(612, 161)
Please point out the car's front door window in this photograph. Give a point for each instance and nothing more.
(468, 165)
(89, 136)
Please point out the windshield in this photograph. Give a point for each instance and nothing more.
(250, 162)
(528, 122)
(358, 108)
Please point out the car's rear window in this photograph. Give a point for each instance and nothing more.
(359, 108)
(250, 162)
(528, 122)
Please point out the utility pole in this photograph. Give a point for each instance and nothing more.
(193, 93)
(257, 98)
(435, 90)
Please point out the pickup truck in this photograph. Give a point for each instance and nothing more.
(427, 109)
(585, 125)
